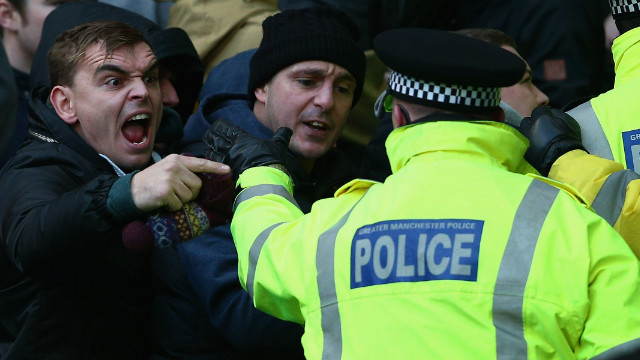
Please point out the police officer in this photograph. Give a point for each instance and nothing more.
(607, 126)
(612, 191)
(610, 128)
(457, 254)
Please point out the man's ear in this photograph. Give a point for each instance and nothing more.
(260, 93)
(62, 101)
(398, 116)
(10, 19)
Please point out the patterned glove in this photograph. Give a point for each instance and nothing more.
(162, 228)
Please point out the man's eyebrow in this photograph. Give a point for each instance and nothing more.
(154, 66)
(319, 72)
(117, 69)
(308, 72)
(108, 68)
(346, 76)
(57, 2)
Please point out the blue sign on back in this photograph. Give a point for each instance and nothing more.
(415, 250)
(631, 142)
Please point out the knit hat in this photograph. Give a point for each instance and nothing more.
(621, 9)
(296, 35)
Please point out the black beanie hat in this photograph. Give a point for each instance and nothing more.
(295, 35)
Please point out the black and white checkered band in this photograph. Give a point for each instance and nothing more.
(447, 94)
(624, 6)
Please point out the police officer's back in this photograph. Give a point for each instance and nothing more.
(458, 254)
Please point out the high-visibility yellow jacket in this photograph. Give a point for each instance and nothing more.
(457, 255)
(612, 191)
(611, 131)
(609, 122)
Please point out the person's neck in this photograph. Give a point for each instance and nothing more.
(307, 164)
(17, 56)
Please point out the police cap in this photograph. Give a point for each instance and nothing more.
(621, 9)
(446, 70)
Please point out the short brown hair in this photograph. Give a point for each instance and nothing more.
(70, 46)
(492, 36)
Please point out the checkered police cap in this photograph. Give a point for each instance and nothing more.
(446, 70)
(624, 8)
(467, 96)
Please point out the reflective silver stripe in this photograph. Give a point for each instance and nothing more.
(256, 247)
(593, 137)
(514, 270)
(254, 254)
(325, 264)
(628, 350)
(610, 199)
(264, 189)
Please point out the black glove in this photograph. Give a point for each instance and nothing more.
(552, 133)
(229, 144)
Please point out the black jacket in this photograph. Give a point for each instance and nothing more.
(68, 288)
(200, 276)
(8, 108)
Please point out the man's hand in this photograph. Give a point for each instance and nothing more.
(171, 182)
(231, 145)
(552, 133)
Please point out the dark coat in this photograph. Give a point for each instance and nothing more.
(210, 262)
(68, 288)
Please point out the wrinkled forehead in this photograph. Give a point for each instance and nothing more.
(320, 68)
(136, 54)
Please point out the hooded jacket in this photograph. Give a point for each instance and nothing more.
(210, 261)
(68, 288)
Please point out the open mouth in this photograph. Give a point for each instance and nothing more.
(316, 125)
(135, 130)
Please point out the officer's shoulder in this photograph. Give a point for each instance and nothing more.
(355, 185)
(564, 187)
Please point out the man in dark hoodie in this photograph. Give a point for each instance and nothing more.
(308, 72)
(181, 69)
(181, 72)
(69, 288)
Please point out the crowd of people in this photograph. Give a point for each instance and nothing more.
(319, 179)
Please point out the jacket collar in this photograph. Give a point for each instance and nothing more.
(491, 142)
(625, 54)
(47, 126)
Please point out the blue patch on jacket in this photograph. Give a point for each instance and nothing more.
(415, 250)
(631, 140)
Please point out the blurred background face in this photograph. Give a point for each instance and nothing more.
(523, 96)
(170, 97)
(25, 27)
